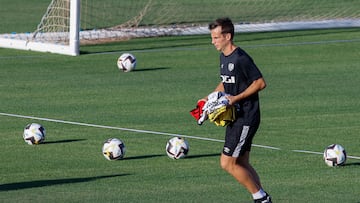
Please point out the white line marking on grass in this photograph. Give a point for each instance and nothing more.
(307, 152)
(149, 132)
(303, 43)
(311, 152)
(185, 48)
(124, 129)
(353, 157)
(266, 147)
(108, 127)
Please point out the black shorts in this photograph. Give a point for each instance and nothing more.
(238, 138)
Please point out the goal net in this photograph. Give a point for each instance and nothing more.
(65, 24)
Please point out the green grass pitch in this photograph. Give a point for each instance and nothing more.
(312, 100)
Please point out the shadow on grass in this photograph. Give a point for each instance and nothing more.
(202, 155)
(150, 69)
(63, 141)
(153, 45)
(143, 157)
(352, 164)
(160, 155)
(51, 182)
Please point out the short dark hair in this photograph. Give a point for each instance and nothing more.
(226, 26)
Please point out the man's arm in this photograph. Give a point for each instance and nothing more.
(255, 87)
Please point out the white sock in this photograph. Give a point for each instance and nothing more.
(259, 194)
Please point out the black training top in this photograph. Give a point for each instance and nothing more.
(237, 72)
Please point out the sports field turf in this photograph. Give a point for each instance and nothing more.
(312, 100)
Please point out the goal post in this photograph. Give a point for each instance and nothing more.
(66, 25)
(65, 41)
(74, 36)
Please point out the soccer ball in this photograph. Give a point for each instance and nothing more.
(34, 134)
(126, 62)
(113, 149)
(335, 155)
(177, 148)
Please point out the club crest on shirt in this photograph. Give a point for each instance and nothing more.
(222, 66)
(231, 67)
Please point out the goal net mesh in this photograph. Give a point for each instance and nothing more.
(55, 24)
(109, 20)
(114, 19)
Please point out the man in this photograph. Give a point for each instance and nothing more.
(242, 80)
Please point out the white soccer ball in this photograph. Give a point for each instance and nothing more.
(113, 149)
(34, 134)
(334, 155)
(126, 62)
(177, 148)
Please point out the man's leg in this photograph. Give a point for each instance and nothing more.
(244, 161)
(241, 170)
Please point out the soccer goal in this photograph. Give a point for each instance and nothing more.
(65, 25)
(57, 32)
